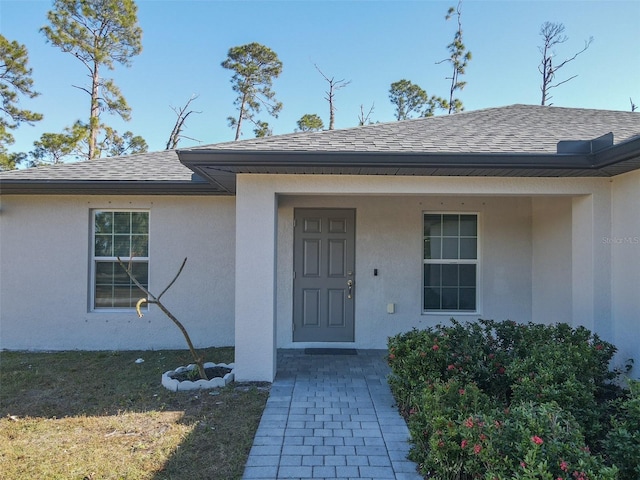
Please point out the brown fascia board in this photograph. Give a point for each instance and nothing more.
(232, 160)
(105, 187)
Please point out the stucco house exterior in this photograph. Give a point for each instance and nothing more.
(336, 238)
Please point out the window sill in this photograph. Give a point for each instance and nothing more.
(452, 313)
(118, 310)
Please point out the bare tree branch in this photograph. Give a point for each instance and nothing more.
(333, 86)
(362, 118)
(151, 299)
(560, 83)
(553, 34)
(182, 113)
(82, 88)
(174, 278)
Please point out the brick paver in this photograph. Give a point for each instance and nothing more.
(331, 417)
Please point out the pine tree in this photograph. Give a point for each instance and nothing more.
(255, 67)
(99, 33)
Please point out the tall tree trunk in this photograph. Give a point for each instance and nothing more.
(332, 110)
(545, 75)
(94, 122)
(239, 124)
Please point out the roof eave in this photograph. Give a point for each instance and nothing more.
(221, 165)
(106, 187)
(283, 159)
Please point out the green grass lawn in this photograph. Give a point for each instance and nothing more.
(99, 415)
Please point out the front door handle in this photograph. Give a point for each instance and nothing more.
(350, 288)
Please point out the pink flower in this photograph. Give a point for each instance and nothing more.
(564, 466)
(451, 367)
(435, 348)
(461, 391)
(477, 449)
(537, 440)
(599, 347)
(523, 465)
(468, 422)
(463, 444)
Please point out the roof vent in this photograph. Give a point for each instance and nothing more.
(585, 146)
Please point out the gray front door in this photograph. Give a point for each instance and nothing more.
(324, 276)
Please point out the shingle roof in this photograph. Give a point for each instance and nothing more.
(155, 173)
(159, 166)
(513, 130)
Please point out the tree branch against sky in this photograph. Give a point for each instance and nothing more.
(54, 148)
(255, 67)
(116, 145)
(15, 82)
(183, 113)
(333, 86)
(459, 58)
(553, 35)
(409, 98)
(99, 33)
(310, 122)
(365, 118)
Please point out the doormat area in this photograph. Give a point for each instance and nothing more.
(330, 351)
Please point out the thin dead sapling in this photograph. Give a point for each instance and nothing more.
(152, 299)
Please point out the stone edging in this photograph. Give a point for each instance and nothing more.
(176, 386)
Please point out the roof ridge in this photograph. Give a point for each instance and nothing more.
(517, 128)
(329, 132)
(376, 126)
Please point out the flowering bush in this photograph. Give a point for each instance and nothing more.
(542, 441)
(434, 424)
(497, 400)
(468, 352)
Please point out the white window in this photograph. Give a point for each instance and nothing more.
(450, 262)
(123, 234)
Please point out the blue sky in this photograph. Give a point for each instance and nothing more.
(370, 43)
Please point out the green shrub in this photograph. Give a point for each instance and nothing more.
(433, 424)
(529, 441)
(542, 441)
(622, 444)
(554, 381)
(467, 352)
(566, 366)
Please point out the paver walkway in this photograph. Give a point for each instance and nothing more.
(331, 416)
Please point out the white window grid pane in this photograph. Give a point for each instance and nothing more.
(125, 237)
(451, 250)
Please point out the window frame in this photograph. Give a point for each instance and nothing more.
(93, 259)
(477, 262)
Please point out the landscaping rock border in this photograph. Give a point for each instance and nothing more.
(186, 385)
